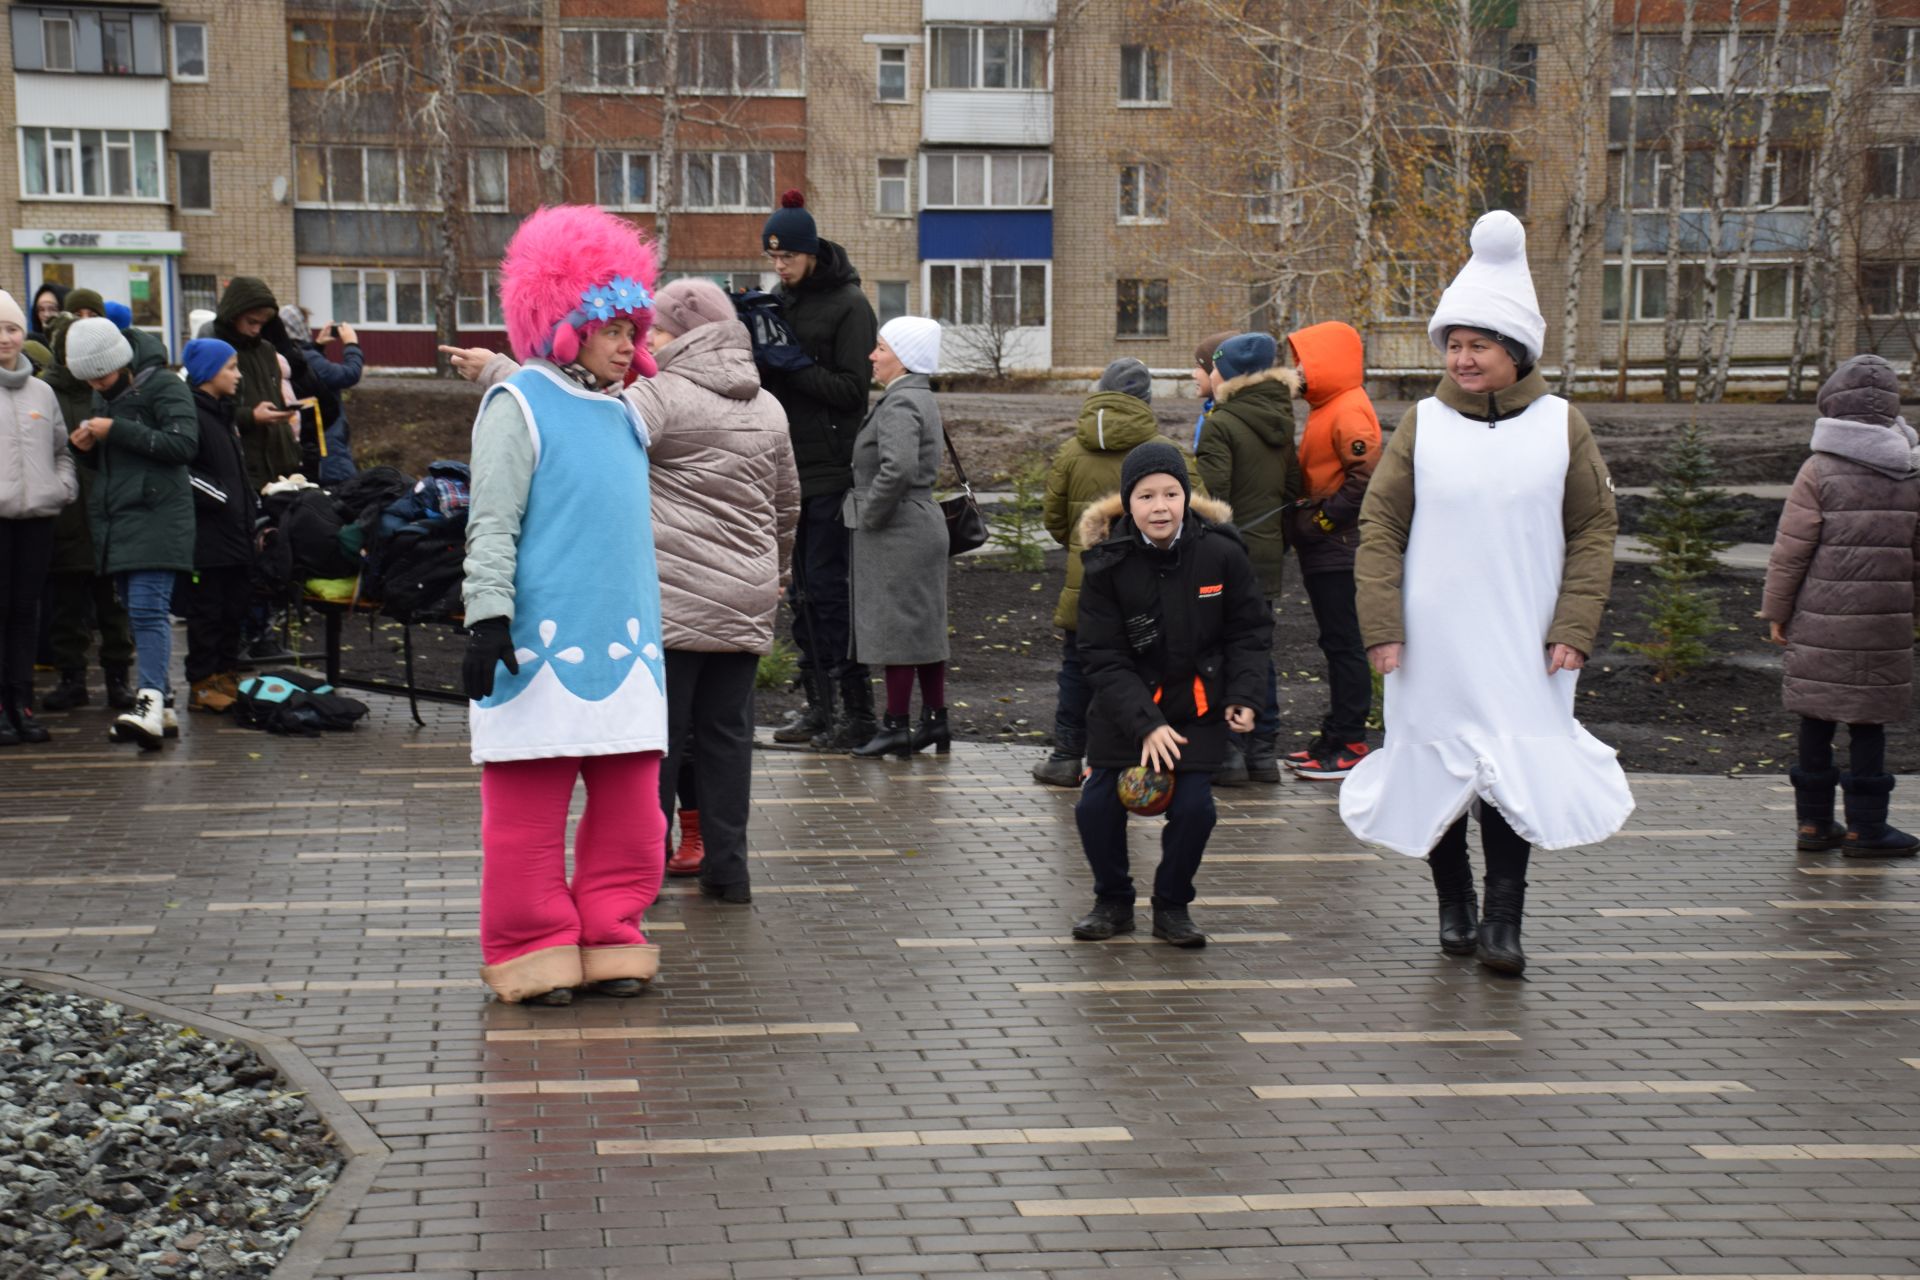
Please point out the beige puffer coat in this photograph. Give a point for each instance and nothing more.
(37, 477)
(726, 494)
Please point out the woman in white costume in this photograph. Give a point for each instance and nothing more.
(1486, 557)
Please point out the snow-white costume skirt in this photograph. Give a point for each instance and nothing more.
(1471, 711)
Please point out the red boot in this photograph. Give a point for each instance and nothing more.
(687, 858)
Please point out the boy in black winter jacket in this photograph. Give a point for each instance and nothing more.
(216, 596)
(1174, 636)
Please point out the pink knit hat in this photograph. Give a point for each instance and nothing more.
(568, 270)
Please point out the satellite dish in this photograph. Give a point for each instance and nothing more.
(280, 188)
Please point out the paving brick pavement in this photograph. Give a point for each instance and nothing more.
(902, 1067)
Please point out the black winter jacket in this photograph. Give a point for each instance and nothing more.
(826, 402)
(223, 502)
(1169, 637)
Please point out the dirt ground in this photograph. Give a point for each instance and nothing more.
(1726, 718)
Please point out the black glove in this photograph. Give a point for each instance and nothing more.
(488, 642)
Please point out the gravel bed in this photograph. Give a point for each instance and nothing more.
(131, 1147)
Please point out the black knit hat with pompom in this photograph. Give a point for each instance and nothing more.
(790, 229)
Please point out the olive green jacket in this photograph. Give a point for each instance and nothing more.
(1248, 459)
(1587, 514)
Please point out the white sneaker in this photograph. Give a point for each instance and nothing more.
(169, 722)
(145, 724)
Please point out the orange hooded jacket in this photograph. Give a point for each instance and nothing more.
(1339, 446)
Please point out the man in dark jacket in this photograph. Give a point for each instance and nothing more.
(248, 320)
(1174, 636)
(324, 380)
(1248, 460)
(215, 596)
(825, 400)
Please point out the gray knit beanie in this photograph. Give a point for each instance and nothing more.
(1129, 377)
(96, 348)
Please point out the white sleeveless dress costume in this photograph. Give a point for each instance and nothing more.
(1471, 710)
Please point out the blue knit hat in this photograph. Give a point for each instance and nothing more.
(121, 315)
(790, 229)
(1245, 353)
(204, 358)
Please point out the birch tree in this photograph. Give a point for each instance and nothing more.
(1589, 67)
(1629, 175)
(1814, 324)
(1678, 127)
(1715, 383)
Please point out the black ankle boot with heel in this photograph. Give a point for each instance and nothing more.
(933, 731)
(1499, 947)
(893, 738)
(1459, 912)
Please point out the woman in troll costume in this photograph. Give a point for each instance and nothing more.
(564, 663)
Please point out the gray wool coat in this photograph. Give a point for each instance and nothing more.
(1844, 571)
(899, 574)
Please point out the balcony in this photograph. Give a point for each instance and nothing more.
(995, 117)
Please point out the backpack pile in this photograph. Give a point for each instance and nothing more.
(297, 705)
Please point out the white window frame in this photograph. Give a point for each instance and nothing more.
(1416, 304)
(747, 203)
(173, 51)
(987, 267)
(651, 203)
(1902, 153)
(990, 160)
(1639, 313)
(977, 57)
(692, 42)
(180, 187)
(881, 54)
(488, 297)
(1903, 273)
(402, 157)
(1143, 184)
(630, 37)
(73, 145)
(390, 278)
(474, 160)
(48, 20)
(1138, 334)
(1909, 70)
(882, 180)
(777, 45)
(879, 298)
(1161, 60)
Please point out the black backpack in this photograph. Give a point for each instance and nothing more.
(774, 341)
(423, 567)
(288, 702)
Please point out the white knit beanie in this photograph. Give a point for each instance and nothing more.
(916, 340)
(96, 348)
(10, 312)
(1494, 291)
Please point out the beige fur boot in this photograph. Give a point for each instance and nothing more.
(639, 962)
(534, 974)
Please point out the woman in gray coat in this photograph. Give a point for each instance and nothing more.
(899, 573)
(1840, 594)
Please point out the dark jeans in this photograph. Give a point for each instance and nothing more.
(26, 549)
(1070, 707)
(710, 721)
(1866, 747)
(821, 624)
(1506, 852)
(77, 602)
(1349, 679)
(215, 603)
(1103, 836)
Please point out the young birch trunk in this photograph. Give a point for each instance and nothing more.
(1756, 175)
(1593, 30)
(437, 116)
(1671, 336)
(666, 183)
(1628, 175)
(1813, 338)
(1713, 306)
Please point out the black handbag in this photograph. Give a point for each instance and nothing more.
(966, 526)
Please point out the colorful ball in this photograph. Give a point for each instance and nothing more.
(1145, 791)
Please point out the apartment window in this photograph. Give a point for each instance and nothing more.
(503, 61)
(487, 178)
(193, 176)
(189, 51)
(990, 58)
(1769, 292)
(1143, 193)
(1143, 76)
(623, 179)
(891, 196)
(1894, 50)
(310, 54)
(1413, 290)
(1893, 173)
(56, 43)
(1140, 309)
(726, 181)
(891, 73)
(116, 46)
(1784, 180)
(478, 303)
(994, 180)
(382, 298)
(1269, 200)
(91, 164)
(743, 63)
(613, 59)
(1006, 294)
(1889, 289)
(362, 177)
(893, 299)
(198, 293)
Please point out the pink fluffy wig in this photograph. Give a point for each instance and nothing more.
(568, 270)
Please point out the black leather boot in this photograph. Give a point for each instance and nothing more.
(71, 692)
(1459, 912)
(1500, 927)
(1263, 762)
(1106, 919)
(1868, 835)
(1233, 769)
(25, 727)
(1176, 927)
(853, 725)
(893, 738)
(1813, 810)
(803, 723)
(933, 731)
(120, 692)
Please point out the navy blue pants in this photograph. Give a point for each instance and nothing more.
(1183, 840)
(1070, 708)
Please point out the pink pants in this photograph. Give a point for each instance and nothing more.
(618, 854)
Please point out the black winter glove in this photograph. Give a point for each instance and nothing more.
(489, 641)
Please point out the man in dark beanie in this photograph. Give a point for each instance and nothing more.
(825, 401)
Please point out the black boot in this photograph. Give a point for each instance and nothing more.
(71, 692)
(1177, 928)
(1263, 763)
(9, 736)
(25, 727)
(933, 731)
(1868, 835)
(1106, 919)
(120, 693)
(1813, 810)
(804, 722)
(893, 738)
(853, 725)
(737, 894)
(1459, 912)
(1233, 770)
(1500, 927)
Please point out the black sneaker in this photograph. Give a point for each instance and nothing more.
(1105, 920)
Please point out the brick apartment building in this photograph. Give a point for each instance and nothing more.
(1025, 171)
